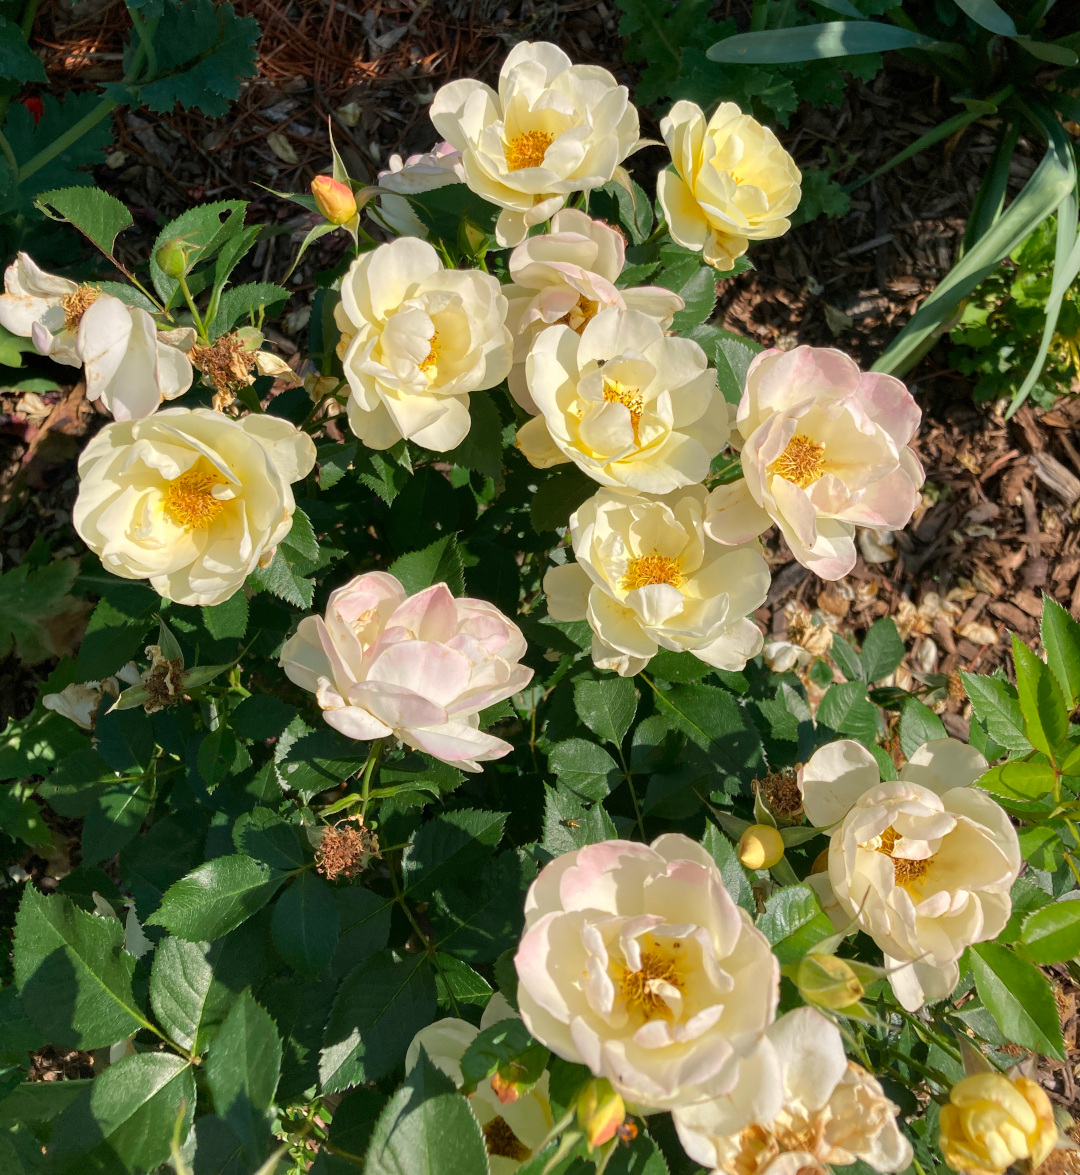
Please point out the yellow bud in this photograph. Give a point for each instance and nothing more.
(760, 847)
(821, 862)
(600, 1112)
(333, 199)
(828, 982)
(993, 1121)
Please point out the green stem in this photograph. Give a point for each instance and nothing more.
(399, 897)
(369, 770)
(28, 18)
(633, 793)
(72, 135)
(192, 307)
(146, 40)
(9, 155)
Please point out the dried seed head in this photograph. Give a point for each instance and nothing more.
(227, 365)
(163, 681)
(345, 849)
(780, 791)
(955, 688)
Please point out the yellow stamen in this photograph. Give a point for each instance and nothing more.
(430, 365)
(638, 988)
(652, 568)
(499, 1139)
(629, 398)
(579, 315)
(527, 150)
(76, 304)
(191, 502)
(801, 463)
(905, 871)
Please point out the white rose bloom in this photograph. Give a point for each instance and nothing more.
(648, 577)
(568, 276)
(733, 183)
(824, 449)
(552, 129)
(437, 168)
(79, 701)
(924, 864)
(513, 1130)
(190, 499)
(637, 963)
(130, 366)
(630, 406)
(416, 339)
(800, 1106)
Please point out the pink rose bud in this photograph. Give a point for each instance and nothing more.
(600, 1112)
(333, 199)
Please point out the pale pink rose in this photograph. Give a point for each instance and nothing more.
(420, 668)
(637, 963)
(438, 168)
(825, 448)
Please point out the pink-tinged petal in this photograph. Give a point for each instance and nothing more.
(732, 516)
(600, 879)
(889, 405)
(355, 723)
(302, 656)
(889, 502)
(425, 668)
(430, 615)
(396, 706)
(457, 743)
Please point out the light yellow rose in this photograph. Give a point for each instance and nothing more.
(993, 1121)
(190, 499)
(629, 405)
(416, 339)
(733, 183)
(647, 577)
(552, 129)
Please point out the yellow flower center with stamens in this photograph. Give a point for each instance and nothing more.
(76, 304)
(527, 150)
(190, 501)
(801, 463)
(499, 1139)
(905, 872)
(430, 365)
(652, 568)
(579, 315)
(638, 988)
(629, 398)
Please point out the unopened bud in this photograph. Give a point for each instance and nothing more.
(600, 1112)
(760, 847)
(333, 199)
(828, 982)
(821, 862)
(172, 257)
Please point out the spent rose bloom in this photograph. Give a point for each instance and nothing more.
(648, 577)
(568, 276)
(437, 168)
(552, 129)
(800, 1106)
(190, 499)
(513, 1129)
(992, 1121)
(824, 449)
(129, 365)
(733, 183)
(630, 406)
(420, 668)
(80, 700)
(637, 963)
(416, 339)
(924, 864)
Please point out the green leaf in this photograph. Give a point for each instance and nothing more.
(1061, 640)
(713, 720)
(569, 824)
(263, 834)
(1052, 934)
(216, 897)
(457, 982)
(990, 15)
(452, 847)
(94, 213)
(116, 633)
(305, 924)
(116, 817)
(1018, 781)
(996, 705)
(379, 1008)
(1019, 997)
(794, 922)
(227, 620)
(124, 1122)
(364, 926)
(584, 768)
(606, 707)
(693, 281)
(558, 495)
(18, 63)
(180, 983)
(28, 138)
(1046, 719)
(482, 449)
(722, 851)
(918, 725)
(204, 231)
(478, 922)
(285, 581)
(438, 1135)
(242, 1071)
(812, 42)
(846, 657)
(29, 597)
(505, 1048)
(438, 563)
(72, 973)
(882, 650)
(220, 754)
(846, 709)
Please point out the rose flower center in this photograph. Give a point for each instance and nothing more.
(629, 398)
(578, 317)
(502, 1141)
(640, 988)
(652, 568)
(905, 871)
(430, 364)
(527, 150)
(76, 304)
(801, 463)
(190, 501)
